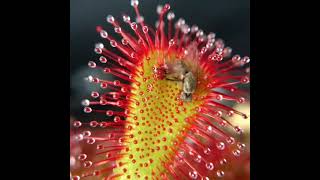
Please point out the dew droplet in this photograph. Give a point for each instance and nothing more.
(230, 140)
(194, 28)
(145, 29)
(134, 3)
(94, 123)
(77, 123)
(94, 94)
(238, 130)
(170, 15)
(139, 19)
(159, 9)
(198, 159)
(223, 161)
(241, 146)
(72, 161)
(220, 173)
(236, 152)
(117, 29)
(209, 129)
(109, 113)
(82, 157)
(103, 59)
(230, 113)
(103, 34)
(92, 64)
(76, 178)
(245, 59)
(207, 151)
(79, 137)
(91, 140)
(124, 41)
(99, 45)
(236, 58)
(87, 109)
(113, 43)
(171, 42)
(116, 119)
(223, 123)
(241, 100)
(126, 18)
(219, 97)
(110, 19)
(86, 133)
(220, 146)
(85, 102)
(87, 164)
(134, 26)
(193, 174)
(209, 166)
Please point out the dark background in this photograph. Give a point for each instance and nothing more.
(229, 19)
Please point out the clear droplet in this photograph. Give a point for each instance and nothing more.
(124, 41)
(117, 29)
(85, 102)
(113, 43)
(241, 146)
(110, 19)
(76, 178)
(103, 34)
(219, 97)
(223, 123)
(92, 64)
(126, 18)
(170, 15)
(207, 151)
(145, 29)
(236, 152)
(238, 130)
(91, 140)
(171, 42)
(79, 137)
(220, 173)
(77, 123)
(209, 166)
(230, 140)
(210, 129)
(103, 59)
(198, 159)
(72, 161)
(230, 113)
(95, 94)
(194, 28)
(241, 100)
(223, 161)
(94, 123)
(134, 26)
(134, 3)
(220, 146)
(99, 45)
(87, 110)
(193, 174)
(86, 133)
(82, 157)
(87, 164)
(139, 19)
(159, 9)
(245, 59)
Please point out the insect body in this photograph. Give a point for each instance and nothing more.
(178, 71)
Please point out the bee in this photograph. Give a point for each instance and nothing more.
(179, 71)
